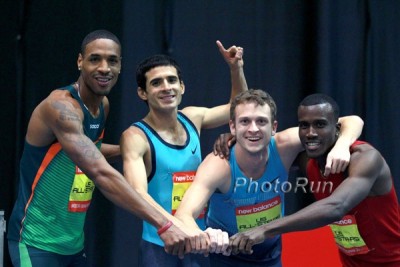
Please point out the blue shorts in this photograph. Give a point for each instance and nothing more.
(154, 255)
(260, 258)
(27, 256)
(219, 260)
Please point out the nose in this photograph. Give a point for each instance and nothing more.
(165, 84)
(311, 132)
(253, 127)
(104, 67)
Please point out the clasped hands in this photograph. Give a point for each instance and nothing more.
(216, 241)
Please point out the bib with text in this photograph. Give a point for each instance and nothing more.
(81, 192)
(258, 214)
(181, 182)
(347, 236)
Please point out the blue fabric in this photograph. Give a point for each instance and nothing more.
(153, 255)
(23, 256)
(169, 160)
(272, 259)
(263, 199)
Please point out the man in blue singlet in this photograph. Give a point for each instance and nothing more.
(64, 159)
(162, 152)
(246, 190)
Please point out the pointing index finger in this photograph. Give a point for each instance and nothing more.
(220, 46)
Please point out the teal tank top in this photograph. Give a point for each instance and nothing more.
(173, 170)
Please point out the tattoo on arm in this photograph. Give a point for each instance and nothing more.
(66, 114)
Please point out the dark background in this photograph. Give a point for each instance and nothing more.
(348, 49)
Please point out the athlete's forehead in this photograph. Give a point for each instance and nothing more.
(316, 112)
(161, 72)
(252, 110)
(103, 47)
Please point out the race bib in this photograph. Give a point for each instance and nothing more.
(81, 192)
(251, 216)
(347, 236)
(181, 182)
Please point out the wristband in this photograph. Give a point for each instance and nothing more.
(164, 228)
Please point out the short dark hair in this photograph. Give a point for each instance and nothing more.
(256, 96)
(98, 34)
(317, 99)
(152, 62)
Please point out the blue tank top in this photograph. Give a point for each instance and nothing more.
(250, 203)
(173, 170)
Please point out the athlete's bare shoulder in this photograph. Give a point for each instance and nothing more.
(58, 110)
(135, 140)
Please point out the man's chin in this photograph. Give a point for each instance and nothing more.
(313, 154)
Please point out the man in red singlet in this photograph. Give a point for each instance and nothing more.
(360, 206)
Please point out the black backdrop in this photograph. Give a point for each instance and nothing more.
(345, 48)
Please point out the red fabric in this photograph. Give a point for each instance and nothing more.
(378, 220)
(314, 248)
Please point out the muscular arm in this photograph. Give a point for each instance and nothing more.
(210, 175)
(289, 145)
(339, 157)
(213, 173)
(61, 116)
(364, 170)
(111, 152)
(134, 147)
(206, 118)
(234, 58)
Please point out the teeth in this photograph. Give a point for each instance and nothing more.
(312, 144)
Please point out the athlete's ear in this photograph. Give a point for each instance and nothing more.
(232, 127)
(338, 127)
(274, 127)
(79, 61)
(182, 87)
(142, 93)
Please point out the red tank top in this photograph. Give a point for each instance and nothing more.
(376, 219)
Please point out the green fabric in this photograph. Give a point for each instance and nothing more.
(25, 260)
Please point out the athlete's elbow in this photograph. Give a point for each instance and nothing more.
(337, 212)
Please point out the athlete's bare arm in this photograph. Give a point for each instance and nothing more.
(367, 168)
(212, 174)
(136, 158)
(137, 164)
(60, 117)
(206, 118)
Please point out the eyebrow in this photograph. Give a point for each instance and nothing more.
(164, 77)
(99, 55)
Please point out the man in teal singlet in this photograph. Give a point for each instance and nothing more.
(162, 152)
(64, 159)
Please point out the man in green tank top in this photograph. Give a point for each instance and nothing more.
(64, 159)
